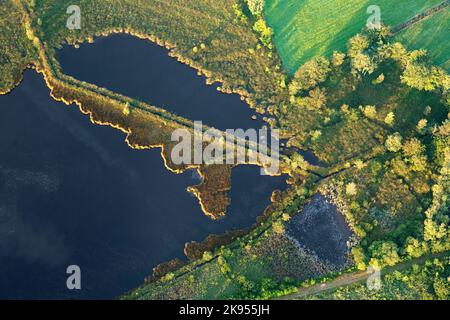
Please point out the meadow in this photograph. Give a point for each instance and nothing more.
(431, 34)
(304, 29)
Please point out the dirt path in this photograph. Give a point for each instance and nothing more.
(355, 277)
(421, 16)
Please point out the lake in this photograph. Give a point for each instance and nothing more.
(73, 193)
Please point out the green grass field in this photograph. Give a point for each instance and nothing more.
(306, 28)
(431, 34)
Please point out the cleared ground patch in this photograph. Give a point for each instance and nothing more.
(304, 29)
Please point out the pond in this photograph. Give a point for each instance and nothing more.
(73, 193)
(143, 70)
(322, 230)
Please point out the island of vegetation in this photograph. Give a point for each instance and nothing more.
(373, 105)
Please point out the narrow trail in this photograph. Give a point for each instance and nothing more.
(355, 277)
(421, 16)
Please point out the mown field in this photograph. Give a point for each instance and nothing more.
(431, 34)
(304, 29)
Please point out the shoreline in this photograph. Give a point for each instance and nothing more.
(88, 99)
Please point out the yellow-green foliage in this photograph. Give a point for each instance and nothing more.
(16, 50)
(355, 114)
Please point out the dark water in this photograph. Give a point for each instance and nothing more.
(143, 70)
(322, 230)
(73, 193)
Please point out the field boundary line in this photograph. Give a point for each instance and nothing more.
(421, 16)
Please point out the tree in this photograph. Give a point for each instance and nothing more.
(207, 256)
(413, 248)
(239, 13)
(433, 231)
(278, 227)
(264, 31)
(379, 79)
(390, 118)
(395, 51)
(421, 125)
(370, 112)
(359, 258)
(224, 266)
(418, 163)
(424, 78)
(345, 108)
(357, 44)
(168, 277)
(316, 134)
(126, 110)
(441, 288)
(316, 99)
(359, 164)
(338, 58)
(294, 87)
(297, 161)
(413, 147)
(400, 167)
(312, 73)
(394, 142)
(383, 254)
(351, 189)
(362, 63)
(256, 7)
